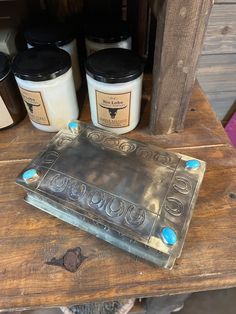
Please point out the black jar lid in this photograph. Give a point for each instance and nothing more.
(58, 34)
(41, 64)
(107, 32)
(4, 65)
(115, 65)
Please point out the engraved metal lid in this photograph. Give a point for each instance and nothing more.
(134, 195)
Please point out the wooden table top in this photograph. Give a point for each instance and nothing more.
(30, 238)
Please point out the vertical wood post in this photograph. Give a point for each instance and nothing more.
(181, 26)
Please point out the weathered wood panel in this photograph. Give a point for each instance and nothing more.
(213, 82)
(217, 63)
(221, 31)
(222, 102)
(224, 1)
(217, 66)
(217, 76)
(180, 31)
(217, 73)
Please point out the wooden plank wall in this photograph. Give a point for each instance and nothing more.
(217, 65)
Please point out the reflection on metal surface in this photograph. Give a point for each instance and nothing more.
(123, 191)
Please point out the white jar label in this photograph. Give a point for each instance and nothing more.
(113, 110)
(35, 106)
(5, 117)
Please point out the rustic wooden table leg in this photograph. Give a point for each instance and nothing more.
(180, 32)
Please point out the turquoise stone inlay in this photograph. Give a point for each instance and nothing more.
(193, 164)
(29, 174)
(168, 236)
(73, 125)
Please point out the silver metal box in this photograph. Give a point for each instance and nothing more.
(135, 196)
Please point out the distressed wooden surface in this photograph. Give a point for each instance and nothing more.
(29, 238)
(180, 32)
(223, 103)
(217, 65)
(217, 76)
(221, 31)
(224, 1)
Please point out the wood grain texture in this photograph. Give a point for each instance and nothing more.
(221, 31)
(217, 73)
(222, 103)
(181, 27)
(217, 63)
(29, 238)
(217, 76)
(224, 1)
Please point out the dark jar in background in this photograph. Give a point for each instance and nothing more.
(12, 109)
(104, 35)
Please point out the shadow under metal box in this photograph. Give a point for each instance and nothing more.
(135, 196)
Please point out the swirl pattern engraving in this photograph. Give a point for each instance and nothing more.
(96, 199)
(174, 206)
(127, 147)
(63, 141)
(100, 204)
(50, 157)
(135, 216)
(163, 159)
(115, 207)
(111, 142)
(144, 153)
(58, 183)
(96, 136)
(182, 185)
(76, 191)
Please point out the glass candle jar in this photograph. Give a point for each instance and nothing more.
(12, 109)
(59, 35)
(44, 76)
(114, 78)
(107, 35)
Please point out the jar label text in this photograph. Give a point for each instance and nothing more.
(5, 117)
(35, 106)
(113, 110)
